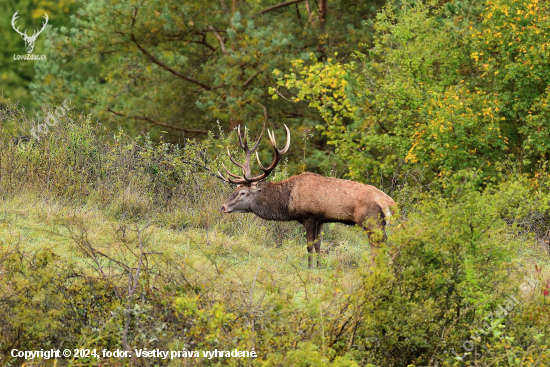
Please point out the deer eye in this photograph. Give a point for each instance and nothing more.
(243, 193)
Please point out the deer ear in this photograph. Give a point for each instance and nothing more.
(254, 187)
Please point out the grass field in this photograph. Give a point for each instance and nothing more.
(227, 260)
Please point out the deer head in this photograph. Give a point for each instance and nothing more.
(29, 40)
(242, 198)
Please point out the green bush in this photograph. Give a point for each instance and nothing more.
(453, 263)
(446, 87)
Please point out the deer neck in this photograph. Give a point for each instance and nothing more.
(272, 201)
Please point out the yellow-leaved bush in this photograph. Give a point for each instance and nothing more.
(445, 88)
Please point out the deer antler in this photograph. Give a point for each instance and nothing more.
(245, 178)
(278, 154)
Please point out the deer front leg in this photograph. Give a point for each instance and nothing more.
(311, 234)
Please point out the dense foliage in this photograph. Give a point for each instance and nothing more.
(444, 89)
(182, 65)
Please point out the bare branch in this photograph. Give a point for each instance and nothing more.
(249, 80)
(277, 6)
(222, 3)
(220, 39)
(148, 119)
(161, 64)
(168, 68)
(202, 42)
(212, 30)
(265, 111)
(132, 289)
(283, 97)
(136, 278)
(299, 16)
(309, 13)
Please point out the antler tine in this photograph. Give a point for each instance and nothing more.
(270, 136)
(274, 142)
(248, 152)
(260, 138)
(234, 161)
(276, 158)
(223, 178)
(238, 179)
(245, 145)
(287, 145)
(228, 180)
(259, 162)
(229, 173)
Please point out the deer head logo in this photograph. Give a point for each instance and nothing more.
(29, 41)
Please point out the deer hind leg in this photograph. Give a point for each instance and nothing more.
(318, 243)
(311, 237)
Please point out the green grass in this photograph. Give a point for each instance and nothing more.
(228, 261)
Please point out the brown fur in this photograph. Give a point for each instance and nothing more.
(313, 200)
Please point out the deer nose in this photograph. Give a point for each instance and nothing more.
(223, 209)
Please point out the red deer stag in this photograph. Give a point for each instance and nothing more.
(309, 198)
